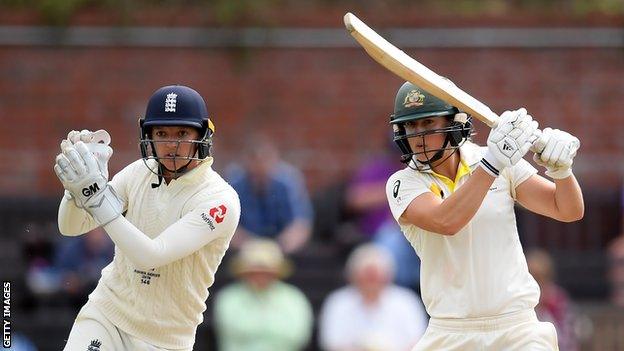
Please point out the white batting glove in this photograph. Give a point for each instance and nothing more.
(78, 170)
(556, 151)
(509, 141)
(97, 142)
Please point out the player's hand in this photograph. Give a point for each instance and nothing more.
(556, 152)
(78, 170)
(97, 142)
(509, 141)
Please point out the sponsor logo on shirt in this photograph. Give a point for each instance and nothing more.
(218, 213)
(207, 219)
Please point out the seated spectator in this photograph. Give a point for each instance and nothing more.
(366, 191)
(366, 199)
(69, 268)
(79, 262)
(274, 200)
(407, 262)
(371, 313)
(554, 305)
(616, 270)
(260, 312)
(19, 342)
(38, 251)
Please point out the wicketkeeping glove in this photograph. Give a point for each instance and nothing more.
(97, 142)
(509, 141)
(556, 151)
(78, 170)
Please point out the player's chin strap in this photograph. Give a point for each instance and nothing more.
(162, 168)
(160, 178)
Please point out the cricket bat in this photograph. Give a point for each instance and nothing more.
(415, 72)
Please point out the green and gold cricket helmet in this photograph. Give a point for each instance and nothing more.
(412, 103)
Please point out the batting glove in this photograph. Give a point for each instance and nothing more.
(556, 151)
(97, 142)
(509, 141)
(78, 170)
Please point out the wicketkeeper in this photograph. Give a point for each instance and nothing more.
(170, 216)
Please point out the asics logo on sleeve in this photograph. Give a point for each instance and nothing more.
(395, 190)
(218, 213)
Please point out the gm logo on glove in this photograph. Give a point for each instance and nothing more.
(91, 190)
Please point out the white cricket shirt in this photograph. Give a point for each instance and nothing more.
(179, 232)
(480, 271)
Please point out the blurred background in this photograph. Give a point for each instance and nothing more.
(286, 75)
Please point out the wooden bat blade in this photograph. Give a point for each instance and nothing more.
(413, 71)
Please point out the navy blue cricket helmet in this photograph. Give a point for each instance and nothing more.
(176, 105)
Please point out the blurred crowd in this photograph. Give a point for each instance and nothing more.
(259, 304)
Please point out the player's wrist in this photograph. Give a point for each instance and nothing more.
(559, 173)
(491, 164)
(105, 206)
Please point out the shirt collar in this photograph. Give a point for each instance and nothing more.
(470, 154)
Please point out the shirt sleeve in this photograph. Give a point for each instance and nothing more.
(74, 221)
(401, 189)
(517, 174)
(217, 218)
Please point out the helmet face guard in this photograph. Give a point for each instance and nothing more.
(147, 145)
(455, 135)
(175, 105)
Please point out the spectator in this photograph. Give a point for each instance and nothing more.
(79, 262)
(554, 305)
(38, 249)
(366, 198)
(366, 191)
(275, 202)
(371, 313)
(260, 312)
(407, 262)
(19, 342)
(616, 270)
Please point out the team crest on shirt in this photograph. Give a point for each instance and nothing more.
(414, 98)
(95, 345)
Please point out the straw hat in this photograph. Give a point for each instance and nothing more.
(261, 255)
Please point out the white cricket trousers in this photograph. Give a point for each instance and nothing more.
(94, 332)
(515, 331)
